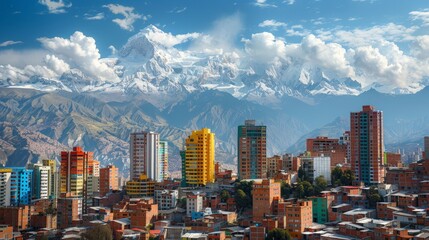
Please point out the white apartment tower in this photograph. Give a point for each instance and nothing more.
(42, 181)
(144, 157)
(5, 181)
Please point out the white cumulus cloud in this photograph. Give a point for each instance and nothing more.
(329, 56)
(55, 6)
(128, 13)
(168, 39)
(81, 52)
(264, 47)
(56, 64)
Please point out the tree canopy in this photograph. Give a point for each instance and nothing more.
(278, 234)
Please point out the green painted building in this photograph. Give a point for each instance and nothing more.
(320, 210)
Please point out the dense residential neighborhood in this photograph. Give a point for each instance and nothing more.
(338, 188)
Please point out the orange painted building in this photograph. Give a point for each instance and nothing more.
(6, 232)
(108, 180)
(78, 172)
(264, 194)
(299, 216)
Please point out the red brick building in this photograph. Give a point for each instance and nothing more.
(329, 147)
(17, 217)
(264, 194)
(108, 180)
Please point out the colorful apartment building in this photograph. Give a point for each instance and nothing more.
(142, 187)
(252, 150)
(367, 146)
(21, 186)
(163, 159)
(200, 158)
(78, 172)
(299, 216)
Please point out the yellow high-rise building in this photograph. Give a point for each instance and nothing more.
(200, 157)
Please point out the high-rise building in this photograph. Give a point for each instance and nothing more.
(252, 150)
(108, 180)
(163, 159)
(200, 157)
(264, 194)
(77, 175)
(54, 178)
(5, 185)
(144, 155)
(41, 181)
(21, 186)
(367, 147)
(315, 167)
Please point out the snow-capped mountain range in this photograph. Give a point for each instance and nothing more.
(146, 65)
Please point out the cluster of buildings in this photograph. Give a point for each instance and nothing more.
(65, 199)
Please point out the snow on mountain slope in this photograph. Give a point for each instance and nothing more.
(152, 63)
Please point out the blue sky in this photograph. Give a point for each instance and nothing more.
(380, 43)
(25, 21)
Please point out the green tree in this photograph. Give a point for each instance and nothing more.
(320, 184)
(373, 197)
(342, 178)
(348, 178)
(278, 234)
(242, 200)
(308, 189)
(224, 195)
(98, 232)
(243, 194)
(285, 190)
(299, 191)
(336, 175)
(303, 175)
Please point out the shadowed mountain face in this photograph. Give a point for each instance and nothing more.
(36, 124)
(40, 125)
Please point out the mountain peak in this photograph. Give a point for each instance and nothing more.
(151, 28)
